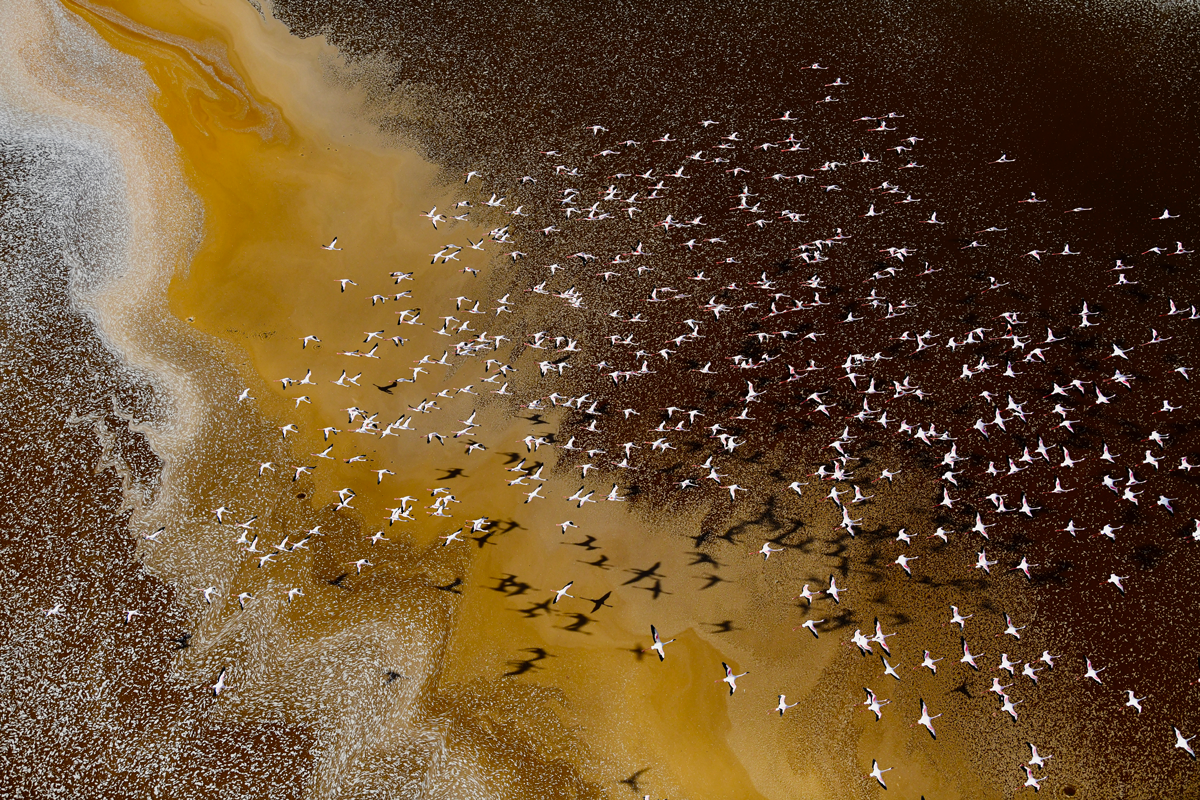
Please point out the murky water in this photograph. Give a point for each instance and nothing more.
(343, 483)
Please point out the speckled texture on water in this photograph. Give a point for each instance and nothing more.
(880, 262)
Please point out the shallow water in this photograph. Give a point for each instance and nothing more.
(439, 667)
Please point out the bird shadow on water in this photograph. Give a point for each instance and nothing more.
(524, 665)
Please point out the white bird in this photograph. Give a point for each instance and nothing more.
(1036, 760)
(808, 594)
(219, 686)
(834, 590)
(927, 720)
(877, 773)
(1182, 743)
(561, 593)
(1032, 781)
(730, 678)
(959, 619)
(766, 550)
(1010, 708)
(783, 706)
(875, 704)
(968, 657)
(1011, 629)
(332, 245)
(658, 643)
(1133, 701)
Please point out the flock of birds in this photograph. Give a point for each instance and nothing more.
(785, 292)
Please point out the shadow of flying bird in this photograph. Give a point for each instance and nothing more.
(632, 780)
(656, 589)
(533, 610)
(586, 544)
(510, 586)
(581, 621)
(643, 574)
(599, 602)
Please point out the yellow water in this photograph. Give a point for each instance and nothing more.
(271, 154)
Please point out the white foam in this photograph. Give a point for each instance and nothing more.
(106, 175)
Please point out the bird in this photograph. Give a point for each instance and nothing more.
(877, 773)
(1030, 780)
(332, 245)
(1009, 707)
(766, 550)
(927, 720)
(1035, 759)
(958, 619)
(1182, 743)
(834, 590)
(808, 594)
(874, 704)
(658, 645)
(730, 678)
(561, 593)
(783, 706)
(968, 657)
(219, 686)
(812, 624)
(1011, 628)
